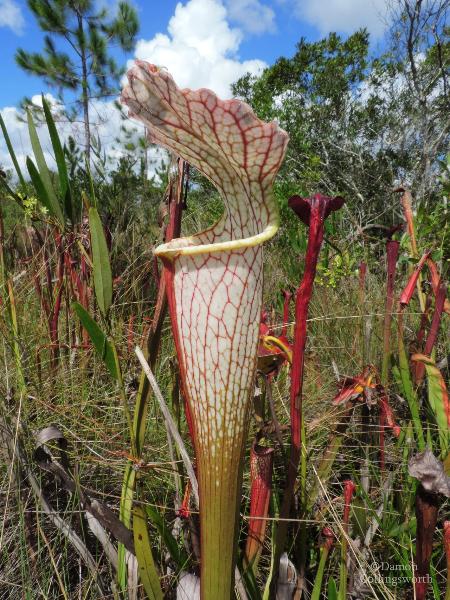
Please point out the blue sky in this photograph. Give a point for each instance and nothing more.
(203, 43)
(268, 29)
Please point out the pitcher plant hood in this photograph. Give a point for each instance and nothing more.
(214, 281)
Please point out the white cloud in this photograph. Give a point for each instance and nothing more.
(344, 15)
(200, 49)
(251, 15)
(11, 16)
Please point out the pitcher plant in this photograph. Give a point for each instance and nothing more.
(214, 283)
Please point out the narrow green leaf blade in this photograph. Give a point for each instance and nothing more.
(98, 338)
(43, 170)
(126, 505)
(101, 264)
(438, 400)
(332, 590)
(12, 153)
(39, 186)
(60, 160)
(408, 390)
(147, 569)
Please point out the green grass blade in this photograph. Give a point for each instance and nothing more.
(126, 504)
(408, 390)
(332, 590)
(437, 399)
(60, 161)
(101, 263)
(316, 592)
(12, 153)
(43, 170)
(98, 338)
(147, 568)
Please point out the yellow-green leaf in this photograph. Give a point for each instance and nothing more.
(101, 264)
(438, 400)
(60, 160)
(147, 568)
(98, 338)
(43, 171)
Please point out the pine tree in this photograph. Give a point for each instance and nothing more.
(81, 62)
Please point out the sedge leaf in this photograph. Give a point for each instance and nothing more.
(101, 264)
(41, 191)
(126, 505)
(98, 338)
(332, 590)
(438, 400)
(43, 170)
(147, 569)
(403, 372)
(60, 160)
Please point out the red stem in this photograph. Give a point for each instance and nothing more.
(302, 300)
(435, 282)
(312, 211)
(176, 205)
(349, 489)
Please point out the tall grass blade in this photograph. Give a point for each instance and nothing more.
(43, 170)
(438, 400)
(40, 188)
(315, 595)
(60, 161)
(403, 375)
(101, 263)
(332, 590)
(126, 504)
(147, 568)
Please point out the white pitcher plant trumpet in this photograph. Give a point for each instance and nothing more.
(214, 282)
